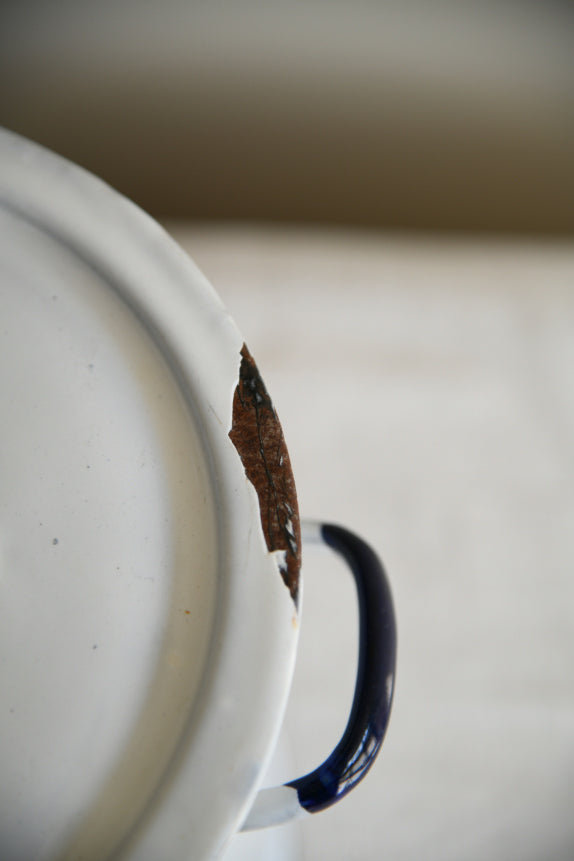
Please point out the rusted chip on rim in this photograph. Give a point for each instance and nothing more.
(257, 435)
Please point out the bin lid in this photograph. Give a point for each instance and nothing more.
(147, 636)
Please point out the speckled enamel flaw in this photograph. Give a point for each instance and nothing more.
(258, 438)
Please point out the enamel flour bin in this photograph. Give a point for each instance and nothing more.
(150, 546)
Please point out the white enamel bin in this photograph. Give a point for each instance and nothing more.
(150, 546)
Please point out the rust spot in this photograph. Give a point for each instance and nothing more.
(258, 438)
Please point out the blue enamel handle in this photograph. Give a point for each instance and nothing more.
(371, 709)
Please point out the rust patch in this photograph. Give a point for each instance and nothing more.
(258, 438)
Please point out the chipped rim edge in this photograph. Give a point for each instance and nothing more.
(193, 331)
(258, 437)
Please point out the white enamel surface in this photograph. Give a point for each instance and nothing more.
(274, 806)
(282, 842)
(146, 638)
(108, 549)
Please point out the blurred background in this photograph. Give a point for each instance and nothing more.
(383, 195)
(413, 114)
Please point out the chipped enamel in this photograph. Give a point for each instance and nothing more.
(257, 435)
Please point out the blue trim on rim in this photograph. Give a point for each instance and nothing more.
(374, 686)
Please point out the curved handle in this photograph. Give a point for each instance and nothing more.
(371, 708)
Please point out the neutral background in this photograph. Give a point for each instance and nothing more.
(382, 193)
(405, 113)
